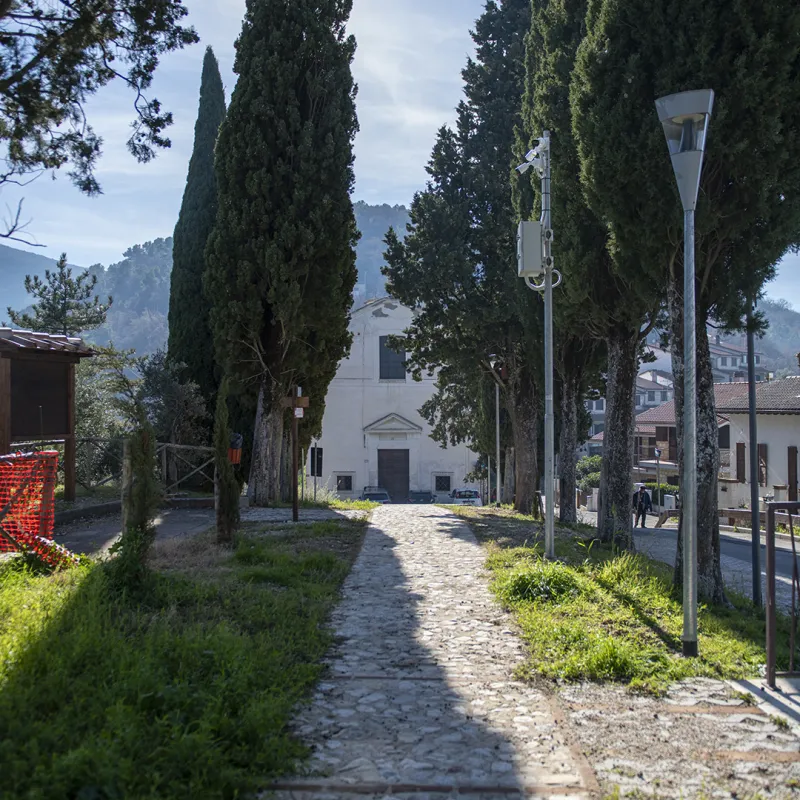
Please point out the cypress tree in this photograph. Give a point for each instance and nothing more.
(281, 260)
(190, 340)
(748, 211)
(457, 265)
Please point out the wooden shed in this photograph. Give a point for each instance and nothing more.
(37, 392)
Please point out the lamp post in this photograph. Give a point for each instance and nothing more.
(534, 257)
(685, 118)
(755, 511)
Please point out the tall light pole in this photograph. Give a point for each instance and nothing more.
(685, 118)
(755, 511)
(534, 257)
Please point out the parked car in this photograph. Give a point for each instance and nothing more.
(421, 497)
(375, 494)
(465, 497)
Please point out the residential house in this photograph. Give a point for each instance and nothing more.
(778, 425)
(372, 431)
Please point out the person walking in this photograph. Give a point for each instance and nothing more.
(641, 505)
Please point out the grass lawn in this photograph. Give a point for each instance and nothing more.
(597, 615)
(182, 692)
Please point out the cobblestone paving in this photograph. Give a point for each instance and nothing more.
(420, 701)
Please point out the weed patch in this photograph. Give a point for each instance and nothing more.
(184, 690)
(604, 616)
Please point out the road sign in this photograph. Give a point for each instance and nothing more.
(657, 452)
(298, 412)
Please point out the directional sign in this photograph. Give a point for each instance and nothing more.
(294, 402)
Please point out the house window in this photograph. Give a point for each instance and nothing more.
(758, 359)
(600, 405)
(723, 362)
(639, 399)
(664, 397)
(344, 483)
(651, 397)
(392, 364)
(725, 438)
(598, 428)
(442, 483)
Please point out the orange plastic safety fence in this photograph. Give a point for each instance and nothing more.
(27, 495)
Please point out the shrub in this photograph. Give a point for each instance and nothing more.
(588, 465)
(546, 581)
(657, 490)
(589, 482)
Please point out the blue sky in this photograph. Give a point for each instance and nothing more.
(408, 67)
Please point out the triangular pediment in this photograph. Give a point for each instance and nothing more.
(392, 423)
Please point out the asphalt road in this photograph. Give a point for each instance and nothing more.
(732, 546)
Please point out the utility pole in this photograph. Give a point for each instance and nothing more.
(755, 511)
(295, 458)
(534, 255)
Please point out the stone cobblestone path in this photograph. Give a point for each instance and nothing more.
(420, 700)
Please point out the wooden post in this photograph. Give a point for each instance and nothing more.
(303, 457)
(69, 442)
(5, 406)
(127, 483)
(164, 476)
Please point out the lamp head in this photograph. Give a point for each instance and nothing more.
(685, 118)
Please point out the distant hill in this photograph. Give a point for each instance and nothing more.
(781, 342)
(374, 222)
(14, 266)
(139, 283)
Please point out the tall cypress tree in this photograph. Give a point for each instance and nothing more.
(190, 340)
(457, 265)
(748, 211)
(281, 260)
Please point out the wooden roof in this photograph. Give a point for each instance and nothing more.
(17, 341)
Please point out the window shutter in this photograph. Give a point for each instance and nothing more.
(740, 463)
(762, 465)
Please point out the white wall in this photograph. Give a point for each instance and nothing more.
(358, 398)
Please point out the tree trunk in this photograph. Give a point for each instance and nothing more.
(614, 521)
(524, 415)
(264, 484)
(508, 476)
(567, 447)
(710, 585)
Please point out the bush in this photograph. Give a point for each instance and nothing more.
(589, 482)
(657, 490)
(588, 465)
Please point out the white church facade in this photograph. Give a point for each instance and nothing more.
(372, 431)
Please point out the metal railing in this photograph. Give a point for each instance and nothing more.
(772, 644)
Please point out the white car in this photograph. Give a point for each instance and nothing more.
(465, 497)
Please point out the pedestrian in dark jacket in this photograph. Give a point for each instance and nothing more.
(641, 505)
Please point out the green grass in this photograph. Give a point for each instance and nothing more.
(596, 615)
(185, 691)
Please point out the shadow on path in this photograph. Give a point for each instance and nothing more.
(420, 699)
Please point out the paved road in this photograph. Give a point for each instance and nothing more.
(660, 543)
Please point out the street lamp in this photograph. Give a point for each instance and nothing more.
(534, 257)
(685, 118)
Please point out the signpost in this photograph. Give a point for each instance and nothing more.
(298, 403)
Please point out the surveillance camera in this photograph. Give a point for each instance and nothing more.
(523, 168)
(531, 154)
